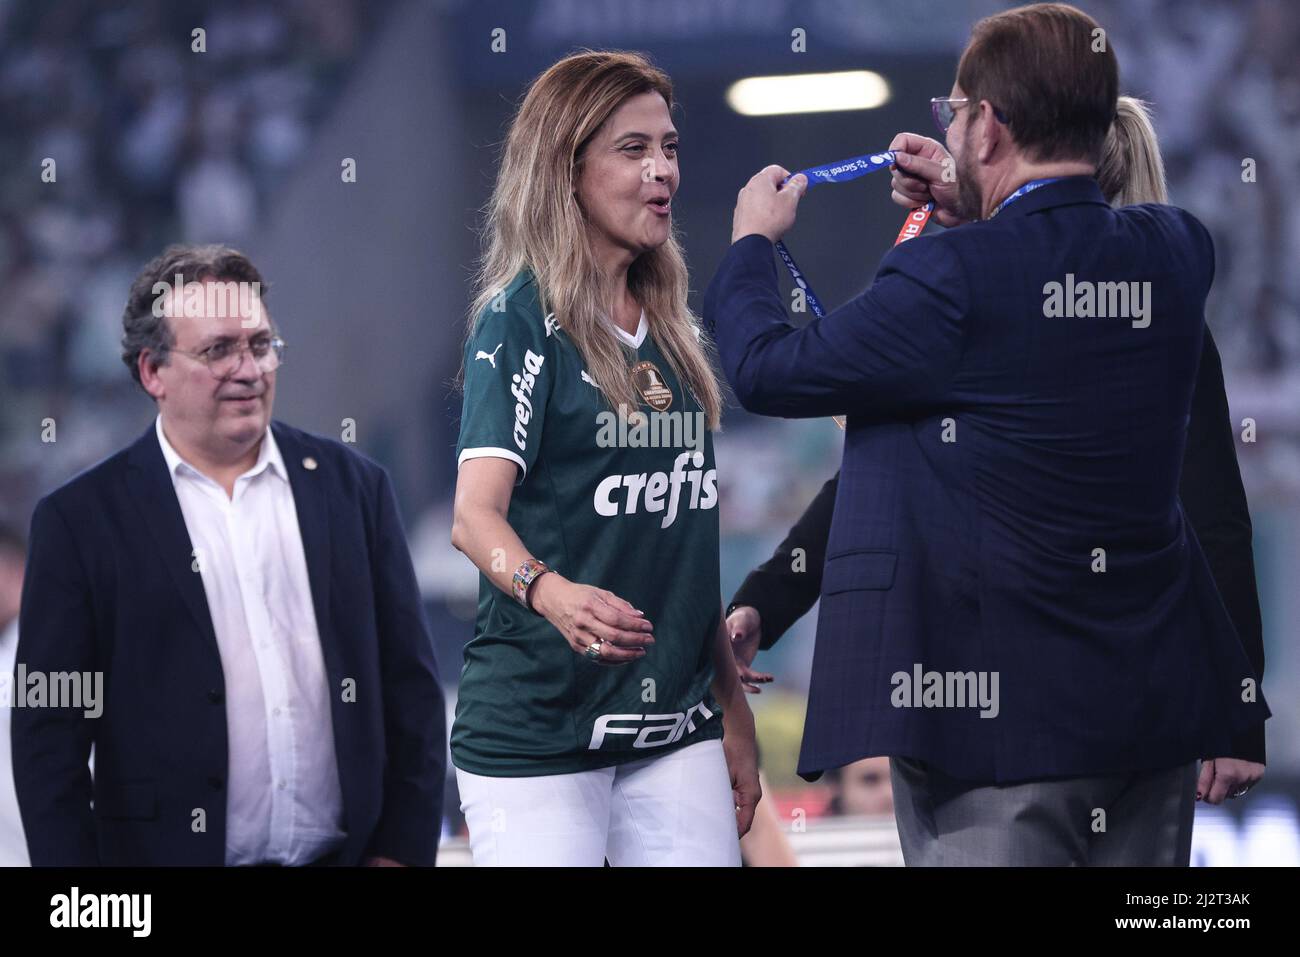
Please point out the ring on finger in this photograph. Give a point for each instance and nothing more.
(593, 649)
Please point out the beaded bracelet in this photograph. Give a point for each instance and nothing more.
(525, 574)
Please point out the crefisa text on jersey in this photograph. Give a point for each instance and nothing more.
(521, 388)
(704, 490)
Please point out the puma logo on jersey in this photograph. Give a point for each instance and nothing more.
(521, 388)
(671, 726)
(489, 356)
(589, 380)
(551, 324)
(620, 494)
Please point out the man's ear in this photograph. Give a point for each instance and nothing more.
(991, 132)
(147, 365)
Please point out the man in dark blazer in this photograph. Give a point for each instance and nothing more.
(246, 591)
(785, 587)
(1012, 605)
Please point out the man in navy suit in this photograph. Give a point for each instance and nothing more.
(244, 592)
(1013, 606)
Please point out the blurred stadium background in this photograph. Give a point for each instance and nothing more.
(244, 144)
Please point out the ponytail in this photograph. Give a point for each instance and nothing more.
(1131, 169)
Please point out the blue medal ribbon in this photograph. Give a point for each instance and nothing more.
(839, 172)
(1029, 187)
(848, 169)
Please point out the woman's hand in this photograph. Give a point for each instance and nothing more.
(585, 615)
(737, 729)
(745, 628)
(739, 745)
(1226, 778)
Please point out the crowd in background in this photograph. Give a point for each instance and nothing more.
(153, 141)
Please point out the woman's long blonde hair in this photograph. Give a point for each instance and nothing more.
(1131, 170)
(534, 221)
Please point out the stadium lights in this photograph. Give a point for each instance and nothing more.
(808, 93)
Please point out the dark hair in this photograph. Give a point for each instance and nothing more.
(1039, 66)
(141, 329)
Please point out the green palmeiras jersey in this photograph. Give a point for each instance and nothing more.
(629, 506)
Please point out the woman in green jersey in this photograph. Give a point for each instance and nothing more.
(599, 682)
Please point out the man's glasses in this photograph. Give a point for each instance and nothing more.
(944, 110)
(224, 358)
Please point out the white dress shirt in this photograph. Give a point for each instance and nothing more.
(283, 800)
(13, 845)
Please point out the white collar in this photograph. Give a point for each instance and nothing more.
(268, 456)
(642, 327)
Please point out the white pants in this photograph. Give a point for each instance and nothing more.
(673, 810)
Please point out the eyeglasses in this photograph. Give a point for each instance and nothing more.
(224, 358)
(944, 110)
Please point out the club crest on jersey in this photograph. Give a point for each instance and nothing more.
(650, 383)
(521, 388)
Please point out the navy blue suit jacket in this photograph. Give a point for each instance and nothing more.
(990, 451)
(110, 587)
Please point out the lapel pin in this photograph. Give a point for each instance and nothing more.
(309, 464)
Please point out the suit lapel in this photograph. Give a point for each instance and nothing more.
(312, 505)
(151, 486)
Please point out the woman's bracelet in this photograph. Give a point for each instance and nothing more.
(529, 570)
